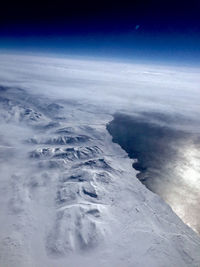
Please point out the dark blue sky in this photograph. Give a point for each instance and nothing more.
(167, 29)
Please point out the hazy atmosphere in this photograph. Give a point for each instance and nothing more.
(100, 134)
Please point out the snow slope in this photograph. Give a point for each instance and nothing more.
(69, 195)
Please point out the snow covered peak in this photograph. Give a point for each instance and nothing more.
(70, 197)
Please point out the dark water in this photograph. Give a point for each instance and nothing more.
(167, 159)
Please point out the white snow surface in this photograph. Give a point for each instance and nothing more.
(69, 196)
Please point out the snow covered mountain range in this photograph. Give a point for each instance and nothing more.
(69, 195)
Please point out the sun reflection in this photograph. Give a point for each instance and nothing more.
(183, 190)
(190, 171)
